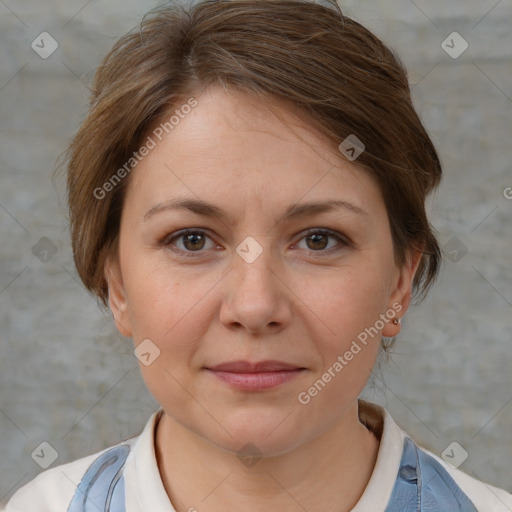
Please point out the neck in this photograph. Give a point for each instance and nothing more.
(327, 474)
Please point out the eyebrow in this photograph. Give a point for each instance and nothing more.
(294, 211)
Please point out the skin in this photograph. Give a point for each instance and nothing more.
(301, 301)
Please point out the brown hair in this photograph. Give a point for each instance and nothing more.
(329, 67)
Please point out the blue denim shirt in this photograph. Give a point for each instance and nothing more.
(422, 485)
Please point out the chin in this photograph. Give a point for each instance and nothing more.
(255, 444)
(266, 433)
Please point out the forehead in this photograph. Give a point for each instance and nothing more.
(232, 146)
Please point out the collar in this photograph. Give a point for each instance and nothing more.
(382, 481)
(148, 492)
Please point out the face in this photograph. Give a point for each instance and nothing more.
(254, 274)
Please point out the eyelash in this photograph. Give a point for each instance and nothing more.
(342, 241)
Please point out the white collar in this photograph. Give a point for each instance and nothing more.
(378, 491)
(146, 491)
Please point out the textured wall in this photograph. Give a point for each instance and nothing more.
(67, 378)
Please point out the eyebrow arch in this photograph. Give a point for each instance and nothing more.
(294, 211)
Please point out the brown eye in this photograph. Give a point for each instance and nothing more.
(318, 240)
(189, 241)
(193, 241)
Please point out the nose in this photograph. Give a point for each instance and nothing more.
(256, 297)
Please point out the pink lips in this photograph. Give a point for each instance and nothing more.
(248, 376)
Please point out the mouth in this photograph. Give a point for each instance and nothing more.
(259, 376)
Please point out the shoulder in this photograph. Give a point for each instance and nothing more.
(484, 497)
(408, 477)
(54, 489)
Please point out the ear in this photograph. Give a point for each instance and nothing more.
(116, 295)
(400, 298)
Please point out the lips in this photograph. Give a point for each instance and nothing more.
(259, 367)
(255, 377)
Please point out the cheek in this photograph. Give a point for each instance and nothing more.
(345, 328)
(346, 333)
(346, 345)
(169, 311)
(348, 300)
(156, 297)
(171, 308)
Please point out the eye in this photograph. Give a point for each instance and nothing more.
(317, 240)
(192, 240)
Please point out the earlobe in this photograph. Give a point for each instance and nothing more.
(400, 299)
(116, 297)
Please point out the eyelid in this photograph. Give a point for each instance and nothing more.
(176, 235)
(326, 231)
(343, 240)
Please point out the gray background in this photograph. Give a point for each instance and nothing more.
(67, 377)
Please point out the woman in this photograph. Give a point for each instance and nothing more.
(247, 196)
